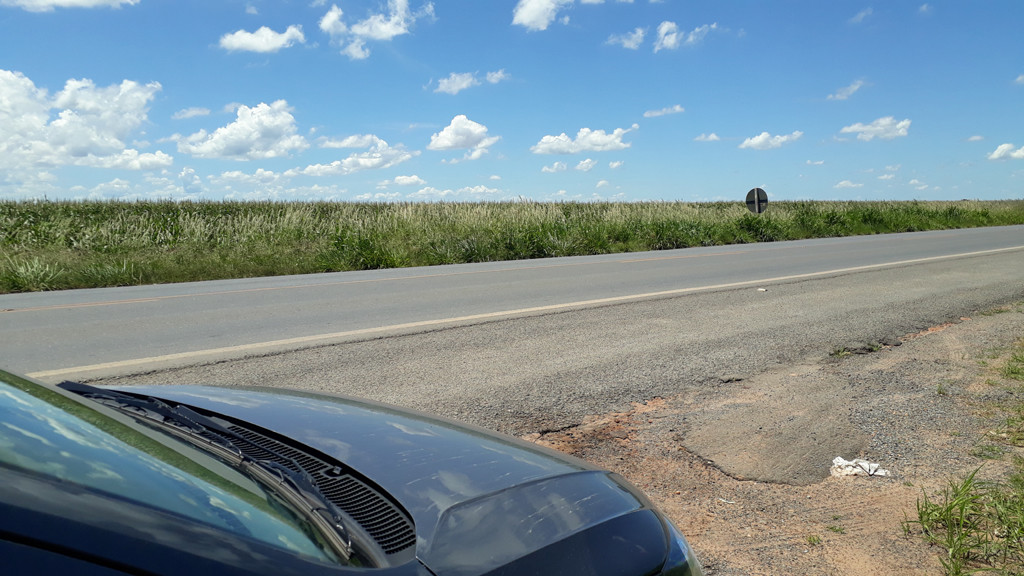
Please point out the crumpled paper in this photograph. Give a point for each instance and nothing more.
(856, 467)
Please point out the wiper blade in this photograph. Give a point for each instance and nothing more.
(294, 486)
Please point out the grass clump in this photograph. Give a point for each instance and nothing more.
(57, 245)
(979, 525)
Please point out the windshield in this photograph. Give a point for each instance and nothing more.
(44, 432)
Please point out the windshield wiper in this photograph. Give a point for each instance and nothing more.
(294, 486)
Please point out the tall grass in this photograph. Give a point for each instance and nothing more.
(58, 245)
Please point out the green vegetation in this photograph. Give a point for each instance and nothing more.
(57, 245)
(980, 524)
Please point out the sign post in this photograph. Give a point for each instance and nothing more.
(757, 200)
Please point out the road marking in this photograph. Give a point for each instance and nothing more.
(324, 339)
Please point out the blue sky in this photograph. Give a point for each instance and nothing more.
(467, 100)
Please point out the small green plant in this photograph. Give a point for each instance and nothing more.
(988, 451)
(941, 390)
(840, 353)
(814, 540)
(838, 529)
(1014, 368)
(979, 525)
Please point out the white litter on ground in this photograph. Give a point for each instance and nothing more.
(856, 467)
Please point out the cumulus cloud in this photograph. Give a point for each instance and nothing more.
(467, 193)
(262, 131)
(537, 14)
(190, 113)
(398, 20)
(765, 141)
(847, 184)
(413, 180)
(586, 165)
(707, 138)
(456, 83)
(556, 167)
(586, 140)
(885, 128)
(1005, 151)
(381, 155)
(631, 40)
(463, 134)
(90, 127)
(677, 109)
(670, 37)
(263, 40)
(49, 5)
(615, 164)
(354, 141)
(846, 92)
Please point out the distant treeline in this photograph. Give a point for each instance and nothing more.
(58, 245)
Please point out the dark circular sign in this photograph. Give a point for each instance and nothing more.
(757, 200)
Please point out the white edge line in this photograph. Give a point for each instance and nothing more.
(325, 338)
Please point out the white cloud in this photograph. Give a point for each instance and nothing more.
(496, 76)
(381, 27)
(602, 184)
(413, 180)
(615, 164)
(263, 40)
(677, 109)
(49, 5)
(976, 138)
(91, 127)
(765, 141)
(586, 165)
(354, 141)
(587, 140)
(670, 37)
(631, 40)
(861, 16)
(1019, 80)
(707, 138)
(456, 83)
(190, 113)
(885, 128)
(537, 14)
(844, 93)
(463, 133)
(263, 131)
(847, 184)
(917, 184)
(924, 8)
(886, 176)
(1005, 151)
(467, 193)
(815, 162)
(380, 156)
(556, 167)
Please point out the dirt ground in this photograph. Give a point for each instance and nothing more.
(744, 468)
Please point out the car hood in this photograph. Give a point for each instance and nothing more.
(466, 489)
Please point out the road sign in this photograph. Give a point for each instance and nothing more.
(757, 200)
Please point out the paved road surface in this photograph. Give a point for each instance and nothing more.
(90, 333)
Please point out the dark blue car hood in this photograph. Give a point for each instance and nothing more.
(468, 491)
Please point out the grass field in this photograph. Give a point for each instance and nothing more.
(60, 245)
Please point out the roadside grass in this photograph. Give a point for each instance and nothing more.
(58, 245)
(980, 524)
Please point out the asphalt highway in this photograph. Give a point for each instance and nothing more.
(107, 332)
